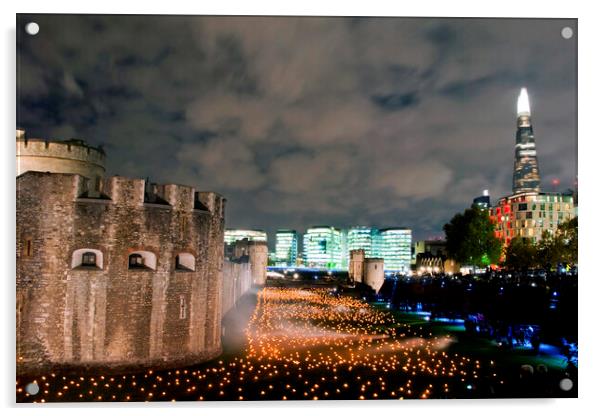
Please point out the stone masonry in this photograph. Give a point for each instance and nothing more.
(110, 314)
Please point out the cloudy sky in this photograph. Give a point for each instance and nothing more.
(302, 121)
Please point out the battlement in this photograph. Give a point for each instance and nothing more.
(132, 192)
(72, 149)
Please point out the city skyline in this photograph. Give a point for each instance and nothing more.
(381, 131)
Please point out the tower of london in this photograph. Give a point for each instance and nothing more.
(113, 271)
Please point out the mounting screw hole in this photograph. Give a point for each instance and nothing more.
(32, 28)
(566, 32)
(32, 388)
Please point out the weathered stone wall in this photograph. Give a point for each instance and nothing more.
(112, 315)
(374, 273)
(258, 257)
(237, 279)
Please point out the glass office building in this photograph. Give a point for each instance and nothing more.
(395, 247)
(286, 248)
(362, 238)
(323, 247)
(231, 236)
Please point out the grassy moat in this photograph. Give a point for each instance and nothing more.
(313, 344)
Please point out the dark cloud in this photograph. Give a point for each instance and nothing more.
(396, 101)
(299, 121)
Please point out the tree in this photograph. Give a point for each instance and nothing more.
(521, 254)
(471, 239)
(559, 247)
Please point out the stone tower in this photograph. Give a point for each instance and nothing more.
(62, 156)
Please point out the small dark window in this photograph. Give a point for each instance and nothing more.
(28, 248)
(529, 215)
(136, 261)
(522, 207)
(89, 259)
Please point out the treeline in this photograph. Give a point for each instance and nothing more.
(553, 249)
(470, 240)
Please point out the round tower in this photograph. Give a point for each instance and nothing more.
(374, 273)
(66, 156)
(258, 257)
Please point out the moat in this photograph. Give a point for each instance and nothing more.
(311, 343)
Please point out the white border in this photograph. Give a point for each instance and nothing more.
(589, 187)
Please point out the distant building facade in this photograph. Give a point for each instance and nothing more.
(286, 248)
(322, 247)
(363, 238)
(483, 201)
(232, 235)
(529, 215)
(395, 247)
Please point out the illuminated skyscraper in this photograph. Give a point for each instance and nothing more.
(322, 247)
(286, 248)
(526, 171)
(395, 247)
(362, 238)
(231, 236)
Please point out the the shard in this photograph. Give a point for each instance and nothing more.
(526, 171)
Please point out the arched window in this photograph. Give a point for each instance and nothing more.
(142, 260)
(185, 262)
(89, 259)
(136, 261)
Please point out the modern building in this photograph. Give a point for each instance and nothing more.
(363, 238)
(526, 171)
(322, 247)
(434, 247)
(231, 235)
(286, 248)
(395, 247)
(483, 201)
(529, 213)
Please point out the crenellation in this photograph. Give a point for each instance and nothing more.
(109, 314)
(119, 273)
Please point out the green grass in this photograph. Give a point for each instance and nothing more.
(475, 346)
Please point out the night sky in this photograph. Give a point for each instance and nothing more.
(303, 121)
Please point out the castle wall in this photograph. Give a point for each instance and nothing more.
(356, 265)
(258, 257)
(374, 273)
(237, 279)
(115, 315)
